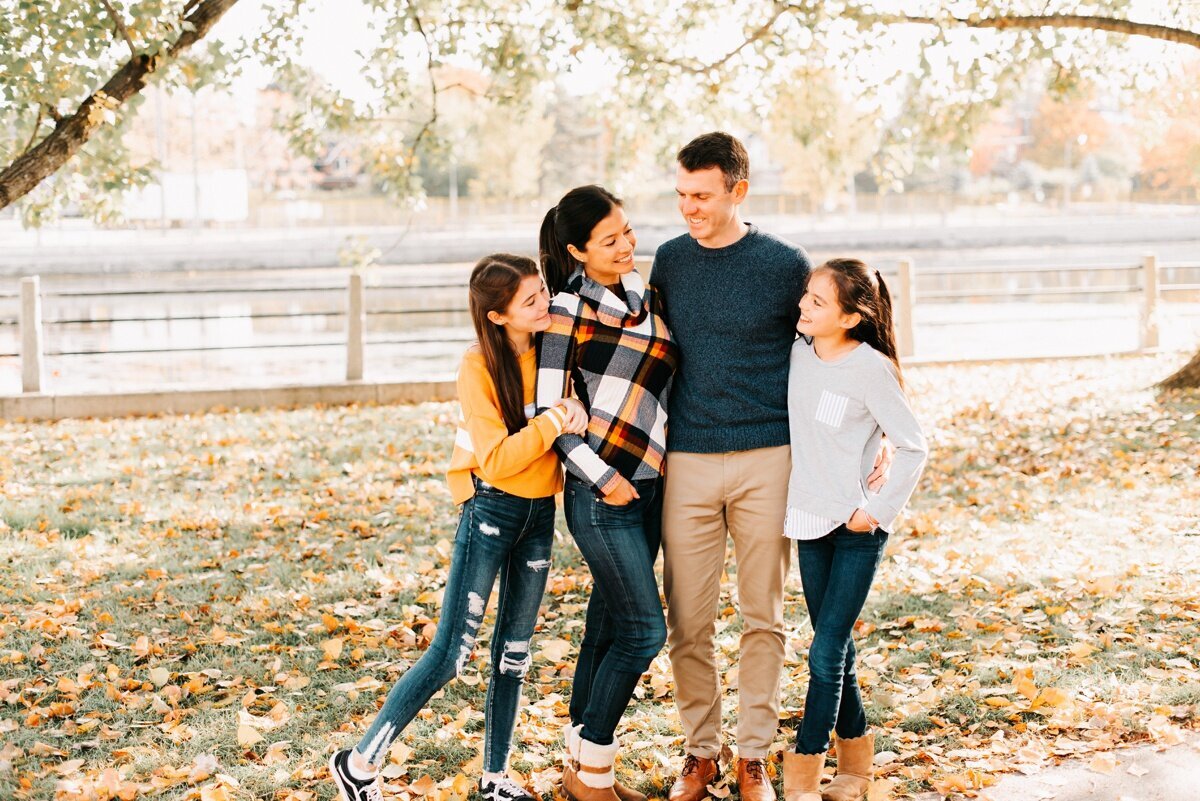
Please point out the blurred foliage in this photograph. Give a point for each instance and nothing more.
(673, 67)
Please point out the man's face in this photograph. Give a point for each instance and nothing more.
(707, 207)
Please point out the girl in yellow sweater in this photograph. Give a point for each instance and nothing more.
(505, 474)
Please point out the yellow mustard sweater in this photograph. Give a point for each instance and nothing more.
(522, 464)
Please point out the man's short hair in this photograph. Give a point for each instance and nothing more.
(717, 149)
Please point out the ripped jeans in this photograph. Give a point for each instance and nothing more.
(497, 533)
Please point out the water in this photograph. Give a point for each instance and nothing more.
(192, 333)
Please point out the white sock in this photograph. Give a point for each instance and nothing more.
(492, 778)
(356, 772)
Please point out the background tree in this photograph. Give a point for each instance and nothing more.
(72, 74)
(819, 136)
(71, 71)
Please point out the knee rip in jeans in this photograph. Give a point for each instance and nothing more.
(515, 659)
(538, 565)
(488, 529)
(475, 608)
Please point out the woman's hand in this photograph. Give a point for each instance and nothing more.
(860, 522)
(621, 494)
(883, 464)
(576, 421)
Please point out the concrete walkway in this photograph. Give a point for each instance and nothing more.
(1139, 774)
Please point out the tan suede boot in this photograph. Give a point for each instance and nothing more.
(571, 735)
(855, 769)
(593, 778)
(802, 776)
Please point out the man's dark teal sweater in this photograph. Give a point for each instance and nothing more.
(733, 312)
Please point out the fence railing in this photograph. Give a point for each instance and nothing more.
(1143, 281)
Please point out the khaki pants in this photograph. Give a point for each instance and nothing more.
(707, 494)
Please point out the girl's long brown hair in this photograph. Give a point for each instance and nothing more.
(862, 291)
(493, 285)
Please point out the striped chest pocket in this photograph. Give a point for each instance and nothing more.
(831, 409)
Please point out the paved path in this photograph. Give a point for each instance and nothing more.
(1140, 774)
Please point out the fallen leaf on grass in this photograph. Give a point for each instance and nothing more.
(276, 752)
(332, 648)
(247, 736)
(423, 785)
(554, 650)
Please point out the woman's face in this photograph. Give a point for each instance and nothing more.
(820, 314)
(609, 251)
(528, 311)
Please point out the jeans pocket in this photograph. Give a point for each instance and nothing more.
(608, 514)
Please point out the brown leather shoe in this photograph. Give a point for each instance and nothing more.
(753, 782)
(693, 781)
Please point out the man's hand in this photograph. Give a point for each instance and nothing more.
(883, 465)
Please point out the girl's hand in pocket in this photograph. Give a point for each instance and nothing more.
(622, 493)
(860, 522)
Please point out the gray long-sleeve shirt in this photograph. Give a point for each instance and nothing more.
(838, 413)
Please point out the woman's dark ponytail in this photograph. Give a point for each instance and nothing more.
(557, 263)
(863, 291)
(571, 223)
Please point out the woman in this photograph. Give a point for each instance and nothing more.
(608, 343)
(505, 474)
(845, 391)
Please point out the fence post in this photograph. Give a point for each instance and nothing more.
(31, 335)
(355, 327)
(904, 300)
(1148, 331)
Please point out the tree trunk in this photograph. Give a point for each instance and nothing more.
(71, 133)
(1187, 377)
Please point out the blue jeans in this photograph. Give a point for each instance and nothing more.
(497, 533)
(625, 628)
(836, 571)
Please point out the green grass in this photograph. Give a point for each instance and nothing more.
(238, 543)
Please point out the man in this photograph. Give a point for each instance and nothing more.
(731, 295)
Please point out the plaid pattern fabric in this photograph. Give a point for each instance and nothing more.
(617, 357)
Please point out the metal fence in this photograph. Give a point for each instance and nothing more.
(1147, 283)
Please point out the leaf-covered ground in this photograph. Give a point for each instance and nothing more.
(206, 606)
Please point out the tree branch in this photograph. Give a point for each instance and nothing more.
(121, 29)
(73, 132)
(433, 87)
(699, 68)
(37, 123)
(1034, 22)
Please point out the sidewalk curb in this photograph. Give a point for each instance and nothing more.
(190, 401)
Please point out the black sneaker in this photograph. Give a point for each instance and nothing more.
(350, 788)
(504, 790)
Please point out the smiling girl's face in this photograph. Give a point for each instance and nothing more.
(820, 313)
(528, 311)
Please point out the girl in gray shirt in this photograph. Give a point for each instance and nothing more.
(845, 392)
